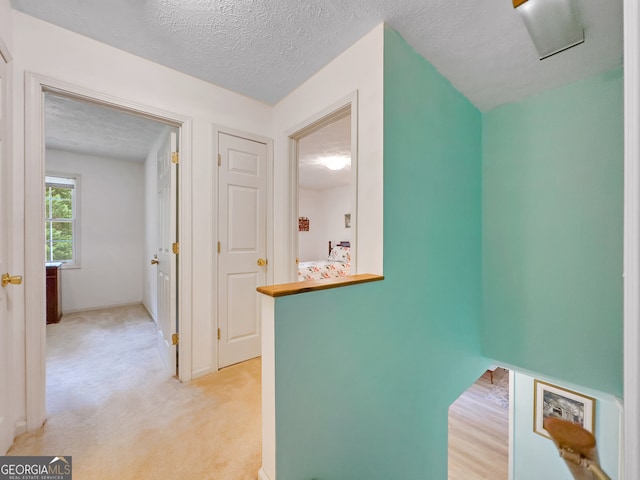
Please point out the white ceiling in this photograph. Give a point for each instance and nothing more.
(83, 127)
(265, 49)
(331, 140)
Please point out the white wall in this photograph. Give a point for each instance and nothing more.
(111, 233)
(312, 245)
(6, 27)
(336, 205)
(53, 52)
(360, 68)
(325, 210)
(536, 457)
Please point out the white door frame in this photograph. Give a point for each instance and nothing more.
(218, 129)
(35, 325)
(308, 126)
(6, 172)
(631, 264)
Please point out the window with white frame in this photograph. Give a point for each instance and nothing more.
(61, 219)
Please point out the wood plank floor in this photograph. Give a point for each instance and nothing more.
(478, 433)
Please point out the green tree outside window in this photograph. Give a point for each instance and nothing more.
(59, 219)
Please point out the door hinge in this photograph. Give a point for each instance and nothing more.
(218, 334)
(219, 160)
(219, 247)
(175, 157)
(175, 247)
(175, 339)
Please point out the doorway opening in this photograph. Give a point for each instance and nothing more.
(105, 216)
(126, 188)
(102, 221)
(479, 429)
(324, 195)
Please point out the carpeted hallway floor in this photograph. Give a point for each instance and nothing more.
(113, 407)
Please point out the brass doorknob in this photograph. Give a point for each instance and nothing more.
(154, 262)
(11, 279)
(262, 262)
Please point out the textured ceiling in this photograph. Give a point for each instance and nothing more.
(82, 127)
(332, 140)
(265, 49)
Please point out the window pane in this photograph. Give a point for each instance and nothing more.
(47, 253)
(62, 231)
(62, 251)
(61, 203)
(63, 193)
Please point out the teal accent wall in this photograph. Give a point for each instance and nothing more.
(552, 208)
(365, 374)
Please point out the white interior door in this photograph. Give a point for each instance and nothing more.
(242, 262)
(166, 255)
(6, 430)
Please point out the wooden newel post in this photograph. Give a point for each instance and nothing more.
(577, 447)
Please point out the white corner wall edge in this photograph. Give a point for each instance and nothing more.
(512, 413)
(631, 265)
(268, 306)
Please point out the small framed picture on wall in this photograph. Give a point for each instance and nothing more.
(551, 401)
(347, 220)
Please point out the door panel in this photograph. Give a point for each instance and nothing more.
(6, 428)
(242, 187)
(244, 205)
(167, 260)
(242, 306)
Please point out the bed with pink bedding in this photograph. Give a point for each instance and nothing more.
(337, 264)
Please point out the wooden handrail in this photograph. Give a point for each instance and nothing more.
(285, 289)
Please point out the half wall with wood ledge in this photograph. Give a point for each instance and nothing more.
(269, 297)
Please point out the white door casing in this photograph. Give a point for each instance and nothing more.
(6, 427)
(242, 233)
(35, 339)
(166, 257)
(345, 106)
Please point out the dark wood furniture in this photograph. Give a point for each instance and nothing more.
(54, 293)
(344, 243)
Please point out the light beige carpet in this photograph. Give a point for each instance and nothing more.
(113, 407)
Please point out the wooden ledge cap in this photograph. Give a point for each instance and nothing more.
(285, 289)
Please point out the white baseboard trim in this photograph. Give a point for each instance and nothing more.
(263, 476)
(202, 372)
(101, 307)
